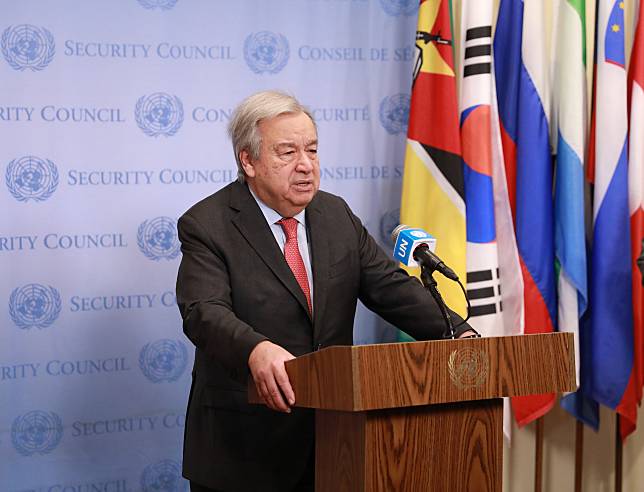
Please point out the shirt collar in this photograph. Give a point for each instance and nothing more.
(271, 215)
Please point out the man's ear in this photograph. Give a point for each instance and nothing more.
(247, 163)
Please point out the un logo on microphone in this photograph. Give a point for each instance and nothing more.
(157, 238)
(266, 52)
(399, 7)
(157, 4)
(394, 113)
(159, 114)
(164, 360)
(163, 476)
(31, 178)
(34, 305)
(28, 47)
(36, 432)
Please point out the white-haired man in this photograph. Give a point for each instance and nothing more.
(272, 268)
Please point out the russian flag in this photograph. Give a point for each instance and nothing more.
(523, 100)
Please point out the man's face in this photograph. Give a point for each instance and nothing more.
(287, 174)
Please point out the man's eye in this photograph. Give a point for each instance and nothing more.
(312, 151)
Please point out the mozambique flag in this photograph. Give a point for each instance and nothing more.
(432, 193)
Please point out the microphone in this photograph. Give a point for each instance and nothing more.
(414, 247)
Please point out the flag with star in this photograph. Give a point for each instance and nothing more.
(607, 345)
(432, 192)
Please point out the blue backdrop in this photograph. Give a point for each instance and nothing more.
(112, 123)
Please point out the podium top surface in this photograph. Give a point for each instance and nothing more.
(370, 377)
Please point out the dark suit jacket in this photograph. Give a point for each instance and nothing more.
(235, 289)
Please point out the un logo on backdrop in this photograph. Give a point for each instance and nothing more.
(163, 360)
(399, 7)
(394, 113)
(34, 305)
(388, 222)
(158, 4)
(31, 178)
(266, 52)
(159, 114)
(157, 238)
(36, 432)
(163, 476)
(26, 46)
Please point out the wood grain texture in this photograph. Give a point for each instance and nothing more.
(322, 377)
(449, 447)
(368, 377)
(340, 451)
(455, 447)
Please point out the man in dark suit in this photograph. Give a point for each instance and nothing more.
(272, 268)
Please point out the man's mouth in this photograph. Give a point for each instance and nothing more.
(303, 185)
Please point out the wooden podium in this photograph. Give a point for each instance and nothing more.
(422, 416)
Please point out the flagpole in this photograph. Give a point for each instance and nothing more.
(579, 454)
(538, 456)
(618, 455)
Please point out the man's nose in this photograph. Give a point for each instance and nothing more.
(305, 162)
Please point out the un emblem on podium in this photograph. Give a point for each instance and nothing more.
(394, 113)
(31, 178)
(157, 238)
(36, 432)
(164, 360)
(266, 52)
(157, 4)
(399, 7)
(34, 305)
(468, 367)
(28, 47)
(163, 476)
(159, 114)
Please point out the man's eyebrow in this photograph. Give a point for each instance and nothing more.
(289, 144)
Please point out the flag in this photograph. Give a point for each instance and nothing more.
(494, 281)
(494, 278)
(522, 89)
(607, 348)
(432, 191)
(569, 121)
(482, 259)
(633, 394)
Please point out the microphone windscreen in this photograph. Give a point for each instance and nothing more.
(406, 240)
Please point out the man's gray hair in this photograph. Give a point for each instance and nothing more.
(243, 126)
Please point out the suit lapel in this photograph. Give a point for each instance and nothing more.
(319, 234)
(252, 224)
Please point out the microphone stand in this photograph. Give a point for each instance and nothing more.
(430, 284)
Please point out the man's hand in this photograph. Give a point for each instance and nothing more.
(266, 363)
(469, 334)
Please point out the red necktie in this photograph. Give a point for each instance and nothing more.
(293, 257)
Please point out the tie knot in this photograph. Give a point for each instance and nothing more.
(289, 224)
